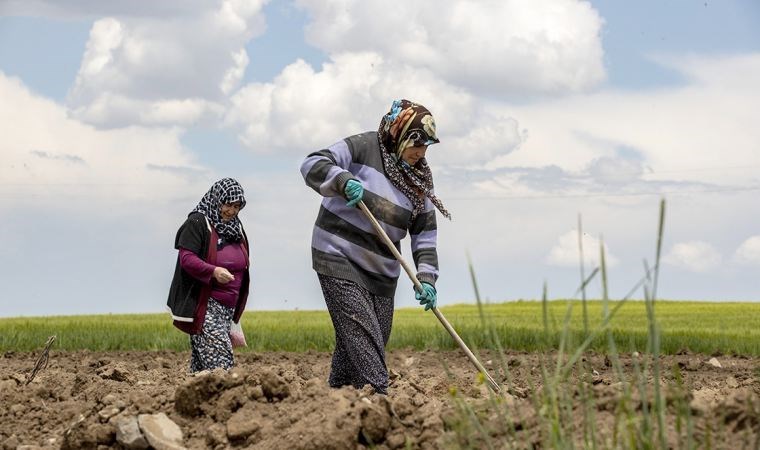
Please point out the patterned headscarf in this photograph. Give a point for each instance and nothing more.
(226, 190)
(406, 125)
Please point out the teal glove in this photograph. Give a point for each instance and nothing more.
(427, 296)
(354, 192)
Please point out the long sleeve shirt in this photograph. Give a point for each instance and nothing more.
(231, 257)
(344, 244)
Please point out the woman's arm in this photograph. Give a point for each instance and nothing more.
(424, 235)
(195, 266)
(326, 171)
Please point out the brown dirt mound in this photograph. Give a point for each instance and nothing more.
(281, 400)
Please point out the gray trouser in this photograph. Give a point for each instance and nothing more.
(362, 323)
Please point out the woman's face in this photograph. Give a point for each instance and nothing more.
(413, 154)
(229, 211)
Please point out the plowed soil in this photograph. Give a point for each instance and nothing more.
(281, 400)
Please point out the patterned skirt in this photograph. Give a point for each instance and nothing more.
(212, 348)
(362, 322)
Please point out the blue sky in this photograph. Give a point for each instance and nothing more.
(117, 117)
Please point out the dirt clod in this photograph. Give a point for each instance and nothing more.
(273, 386)
(243, 423)
(375, 423)
(191, 396)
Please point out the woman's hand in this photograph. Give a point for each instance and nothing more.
(428, 296)
(222, 275)
(354, 192)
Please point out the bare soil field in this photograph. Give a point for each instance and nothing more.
(282, 401)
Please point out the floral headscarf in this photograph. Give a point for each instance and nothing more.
(226, 190)
(406, 125)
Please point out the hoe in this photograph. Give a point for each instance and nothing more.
(418, 287)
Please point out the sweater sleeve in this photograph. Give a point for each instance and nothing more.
(196, 267)
(424, 234)
(327, 171)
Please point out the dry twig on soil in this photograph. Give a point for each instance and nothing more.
(41, 361)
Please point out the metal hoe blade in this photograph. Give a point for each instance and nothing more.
(418, 286)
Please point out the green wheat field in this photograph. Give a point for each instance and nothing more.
(702, 327)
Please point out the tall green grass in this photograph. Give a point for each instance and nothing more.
(642, 416)
(728, 328)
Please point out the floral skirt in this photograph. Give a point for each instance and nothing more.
(212, 348)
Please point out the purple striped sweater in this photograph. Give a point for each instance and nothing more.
(344, 244)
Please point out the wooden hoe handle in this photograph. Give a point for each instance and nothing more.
(418, 287)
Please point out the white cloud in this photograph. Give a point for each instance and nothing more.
(235, 73)
(608, 142)
(490, 138)
(615, 170)
(136, 68)
(701, 132)
(566, 251)
(303, 109)
(749, 251)
(497, 46)
(58, 160)
(78, 9)
(109, 109)
(602, 144)
(695, 256)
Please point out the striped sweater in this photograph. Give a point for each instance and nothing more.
(344, 244)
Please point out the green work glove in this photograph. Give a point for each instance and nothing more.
(354, 192)
(427, 296)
